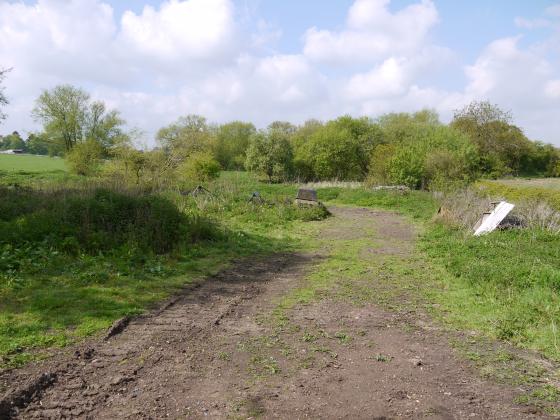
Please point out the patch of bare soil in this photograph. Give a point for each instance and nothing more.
(213, 352)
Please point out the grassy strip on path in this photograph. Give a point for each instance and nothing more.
(503, 286)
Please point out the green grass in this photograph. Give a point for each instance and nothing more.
(50, 297)
(546, 183)
(31, 163)
(417, 205)
(547, 190)
(505, 284)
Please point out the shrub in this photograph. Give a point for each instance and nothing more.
(95, 220)
(379, 164)
(199, 166)
(434, 157)
(84, 158)
(270, 153)
(340, 149)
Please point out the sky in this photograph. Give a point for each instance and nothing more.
(266, 60)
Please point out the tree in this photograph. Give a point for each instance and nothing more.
(340, 149)
(402, 127)
(379, 164)
(36, 145)
(232, 141)
(84, 158)
(438, 154)
(103, 126)
(270, 153)
(3, 98)
(200, 166)
(12, 141)
(480, 113)
(188, 135)
(69, 118)
(502, 146)
(299, 140)
(284, 127)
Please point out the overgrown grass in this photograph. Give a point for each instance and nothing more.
(418, 205)
(73, 261)
(522, 191)
(505, 284)
(95, 220)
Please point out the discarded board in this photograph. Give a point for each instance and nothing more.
(492, 219)
(307, 197)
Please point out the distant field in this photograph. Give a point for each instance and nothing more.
(516, 190)
(30, 163)
(548, 183)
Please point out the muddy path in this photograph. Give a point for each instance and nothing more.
(224, 350)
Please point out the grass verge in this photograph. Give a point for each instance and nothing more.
(61, 281)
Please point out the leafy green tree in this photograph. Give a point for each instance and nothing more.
(285, 127)
(69, 117)
(12, 141)
(85, 157)
(104, 125)
(188, 135)
(341, 149)
(402, 127)
(503, 147)
(299, 139)
(3, 98)
(232, 141)
(270, 153)
(438, 154)
(379, 164)
(543, 160)
(200, 166)
(36, 144)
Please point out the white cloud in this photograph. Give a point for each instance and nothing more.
(553, 10)
(553, 89)
(180, 30)
(372, 32)
(204, 56)
(519, 79)
(387, 79)
(532, 23)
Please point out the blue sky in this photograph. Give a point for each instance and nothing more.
(262, 60)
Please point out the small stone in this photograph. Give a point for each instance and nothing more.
(97, 363)
(416, 361)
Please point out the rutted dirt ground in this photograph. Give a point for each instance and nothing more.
(220, 350)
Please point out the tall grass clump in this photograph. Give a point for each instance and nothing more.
(517, 193)
(506, 283)
(94, 220)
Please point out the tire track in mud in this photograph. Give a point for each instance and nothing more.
(135, 363)
(210, 352)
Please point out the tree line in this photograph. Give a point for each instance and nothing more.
(413, 149)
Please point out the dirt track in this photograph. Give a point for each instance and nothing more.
(213, 352)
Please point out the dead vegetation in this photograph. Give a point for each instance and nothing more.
(463, 209)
